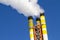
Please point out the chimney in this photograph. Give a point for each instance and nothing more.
(31, 29)
(43, 24)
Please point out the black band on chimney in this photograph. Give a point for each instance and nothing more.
(37, 19)
(41, 14)
(30, 17)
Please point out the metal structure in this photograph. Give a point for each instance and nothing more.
(39, 31)
(43, 23)
(31, 29)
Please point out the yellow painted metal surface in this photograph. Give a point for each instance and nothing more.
(30, 23)
(44, 29)
(44, 26)
(31, 29)
(31, 33)
(43, 23)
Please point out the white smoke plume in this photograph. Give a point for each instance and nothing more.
(26, 7)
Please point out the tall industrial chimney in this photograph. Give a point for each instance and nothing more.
(39, 28)
(31, 29)
(43, 23)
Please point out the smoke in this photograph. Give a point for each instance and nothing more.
(26, 7)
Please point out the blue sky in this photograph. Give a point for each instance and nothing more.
(14, 26)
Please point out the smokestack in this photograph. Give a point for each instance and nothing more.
(39, 28)
(31, 25)
(38, 22)
(43, 23)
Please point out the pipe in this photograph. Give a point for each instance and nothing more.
(31, 30)
(43, 23)
(39, 28)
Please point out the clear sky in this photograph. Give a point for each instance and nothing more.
(14, 26)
